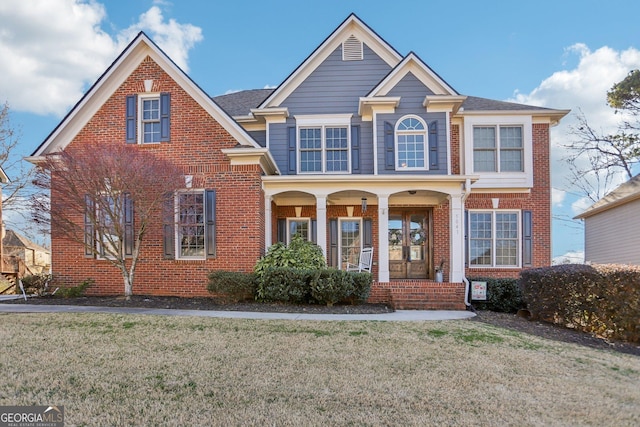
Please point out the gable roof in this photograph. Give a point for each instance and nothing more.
(623, 194)
(241, 103)
(3, 176)
(352, 26)
(413, 64)
(13, 239)
(139, 48)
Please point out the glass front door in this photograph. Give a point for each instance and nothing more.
(410, 244)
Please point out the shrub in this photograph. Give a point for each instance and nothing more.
(331, 286)
(232, 286)
(600, 299)
(300, 254)
(361, 286)
(503, 295)
(284, 284)
(75, 291)
(36, 283)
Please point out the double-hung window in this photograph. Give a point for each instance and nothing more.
(498, 149)
(150, 119)
(298, 227)
(323, 144)
(189, 222)
(494, 238)
(411, 140)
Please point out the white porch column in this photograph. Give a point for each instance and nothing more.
(456, 263)
(321, 221)
(383, 238)
(267, 222)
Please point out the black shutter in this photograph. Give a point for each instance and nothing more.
(165, 113)
(467, 261)
(333, 243)
(131, 119)
(527, 239)
(89, 237)
(128, 225)
(210, 222)
(282, 230)
(367, 233)
(389, 146)
(314, 231)
(355, 149)
(168, 227)
(433, 145)
(291, 136)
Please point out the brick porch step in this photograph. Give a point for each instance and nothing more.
(419, 295)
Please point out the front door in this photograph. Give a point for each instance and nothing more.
(410, 244)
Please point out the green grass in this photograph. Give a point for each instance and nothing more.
(154, 370)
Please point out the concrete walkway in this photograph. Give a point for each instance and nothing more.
(397, 316)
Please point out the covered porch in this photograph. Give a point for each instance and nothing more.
(414, 223)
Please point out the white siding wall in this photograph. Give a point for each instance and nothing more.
(613, 236)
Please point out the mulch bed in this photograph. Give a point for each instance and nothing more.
(505, 320)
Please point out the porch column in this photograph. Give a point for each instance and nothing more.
(383, 238)
(456, 264)
(321, 221)
(267, 222)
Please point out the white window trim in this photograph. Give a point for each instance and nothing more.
(296, 219)
(323, 121)
(351, 219)
(426, 142)
(522, 179)
(493, 239)
(141, 98)
(176, 230)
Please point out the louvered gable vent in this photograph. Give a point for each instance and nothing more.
(352, 49)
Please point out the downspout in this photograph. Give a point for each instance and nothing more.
(465, 193)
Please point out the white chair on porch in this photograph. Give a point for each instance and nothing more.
(364, 262)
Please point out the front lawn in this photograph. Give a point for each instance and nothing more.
(153, 370)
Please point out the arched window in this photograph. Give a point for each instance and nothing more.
(411, 140)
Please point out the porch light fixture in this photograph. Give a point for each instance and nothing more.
(412, 192)
(298, 211)
(364, 204)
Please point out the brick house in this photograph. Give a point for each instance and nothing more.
(359, 146)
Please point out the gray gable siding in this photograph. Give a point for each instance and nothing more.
(335, 87)
(260, 137)
(412, 93)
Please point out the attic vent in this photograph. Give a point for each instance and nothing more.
(352, 49)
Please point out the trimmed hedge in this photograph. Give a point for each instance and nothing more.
(503, 295)
(599, 299)
(232, 286)
(320, 286)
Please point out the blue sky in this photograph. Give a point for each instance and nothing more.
(559, 54)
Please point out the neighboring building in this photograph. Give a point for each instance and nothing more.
(359, 146)
(37, 259)
(612, 226)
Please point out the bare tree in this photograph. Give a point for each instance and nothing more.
(104, 197)
(20, 172)
(597, 159)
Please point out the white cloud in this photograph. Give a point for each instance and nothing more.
(581, 205)
(52, 51)
(572, 257)
(581, 89)
(557, 197)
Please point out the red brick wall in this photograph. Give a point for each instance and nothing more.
(196, 141)
(455, 149)
(538, 201)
